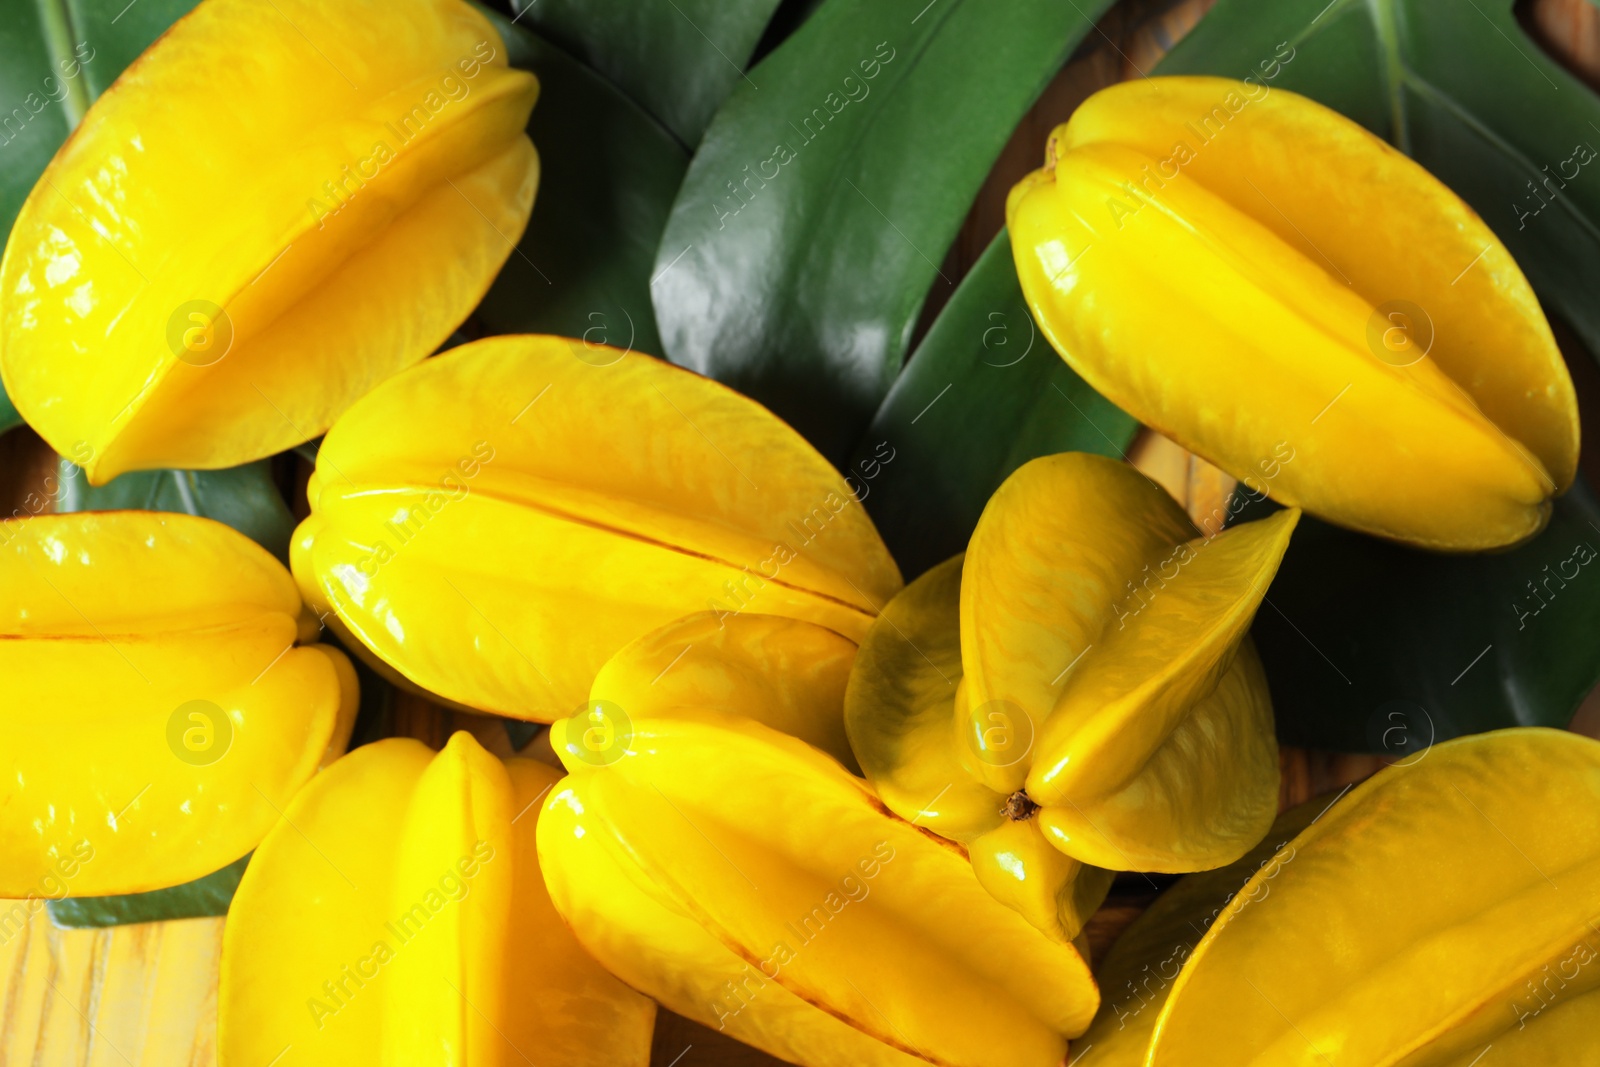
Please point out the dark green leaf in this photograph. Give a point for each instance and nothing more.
(608, 176)
(520, 733)
(1373, 647)
(983, 394)
(56, 57)
(1459, 86)
(677, 58)
(9, 419)
(40, 105)
(810, 225)
(203, 897)
(245, 498)
(789, 16)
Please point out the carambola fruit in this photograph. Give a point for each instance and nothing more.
(495, 523)
(163, 700)
(273, 209)
(397, 915)
(1078, 693)
(745, 879)
(1445, 913)
(1282, 293)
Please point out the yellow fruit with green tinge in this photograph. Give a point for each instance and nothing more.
(1078, 693)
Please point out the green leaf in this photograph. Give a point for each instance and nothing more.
(812, 220)
(203, 897)
(1459, 86)
(983, 394)
(677, 58)
(520, 733)
(9, 419)
(1373, 647)
(608, 175)
(56, 57)
(245, 498)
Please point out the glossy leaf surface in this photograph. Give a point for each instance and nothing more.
(679, 58)
(500, 520)
(983, 394)
(608, 175)
(813, 218)
(1379, 648)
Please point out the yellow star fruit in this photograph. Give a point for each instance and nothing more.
(745, 879)
(397, 914)
(495, 523)
(163, 700)
(273, 209)
(1445, 913)
(1078, 693)
(1284, 294)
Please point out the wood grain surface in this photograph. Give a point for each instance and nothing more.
(145, 995)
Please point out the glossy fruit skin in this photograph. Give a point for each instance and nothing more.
(1136, 975)
(495, 523)
(1062, 705)
(277, 206)
(713, 859)
(772, 897)
(397, 915)
(163, 700)
(1258, 278)
(786, 673)
(1363, 938)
